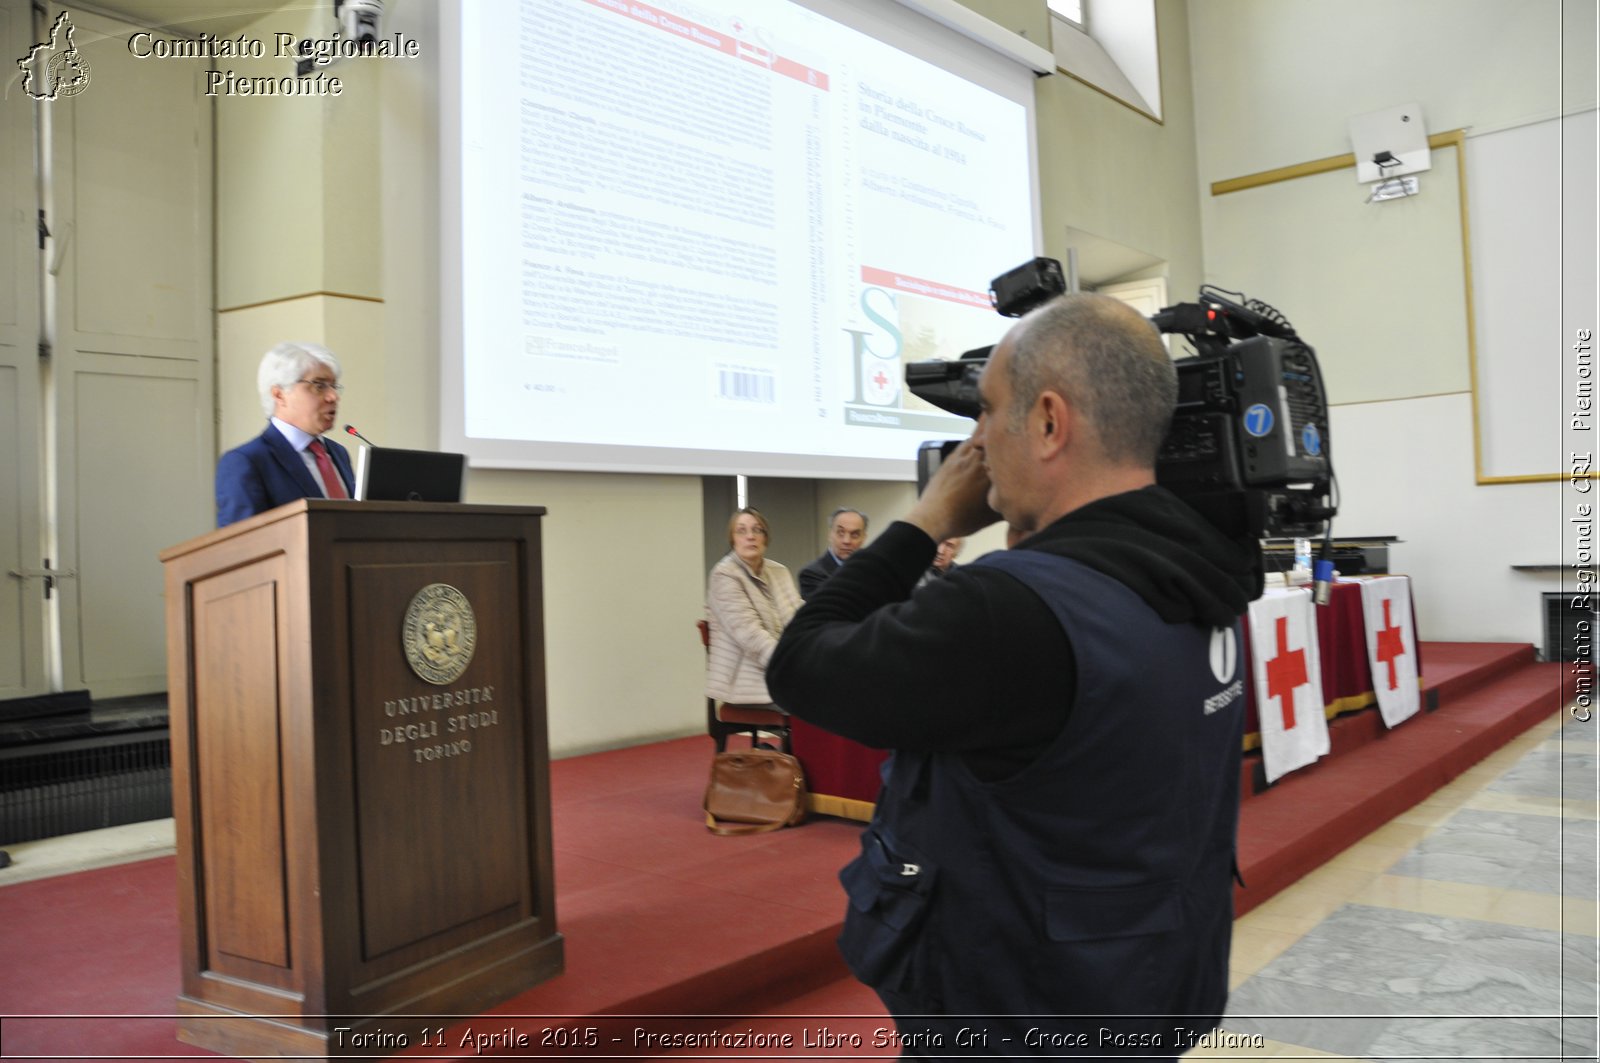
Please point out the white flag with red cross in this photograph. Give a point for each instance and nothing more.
(1288, 680)
(1391, 646)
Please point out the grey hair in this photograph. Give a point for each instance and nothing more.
(847, 509)
(287, 363)
(1106, 359)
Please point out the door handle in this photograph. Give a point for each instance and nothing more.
(48, 574)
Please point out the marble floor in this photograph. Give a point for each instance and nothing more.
(1464, 929)
(105, 847)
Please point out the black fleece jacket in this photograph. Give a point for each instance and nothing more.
(976, 663)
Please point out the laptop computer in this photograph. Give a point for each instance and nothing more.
(390, 474)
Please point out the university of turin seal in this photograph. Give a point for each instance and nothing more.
(439, 634)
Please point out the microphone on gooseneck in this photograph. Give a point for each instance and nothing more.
(350, 428)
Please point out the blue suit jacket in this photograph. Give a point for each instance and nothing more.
(267, 472)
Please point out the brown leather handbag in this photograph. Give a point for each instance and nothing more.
(754, 790)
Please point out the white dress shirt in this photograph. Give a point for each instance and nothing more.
(300, 440)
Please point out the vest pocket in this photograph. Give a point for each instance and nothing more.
(1079, 913)
(890, 888)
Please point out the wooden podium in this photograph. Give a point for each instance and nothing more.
(360, 774)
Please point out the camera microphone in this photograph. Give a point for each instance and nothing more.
(351, 429)
(1322, 581)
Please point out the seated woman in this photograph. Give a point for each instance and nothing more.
(749, 600)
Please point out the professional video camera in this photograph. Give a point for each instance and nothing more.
(1248, 445)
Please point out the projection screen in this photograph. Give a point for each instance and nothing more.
(706, 237)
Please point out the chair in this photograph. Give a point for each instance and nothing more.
(723, 719)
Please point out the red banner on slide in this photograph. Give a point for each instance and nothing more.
(900, 282)
(695, 33)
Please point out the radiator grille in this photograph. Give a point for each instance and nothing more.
(1569, 629)
(80, 784)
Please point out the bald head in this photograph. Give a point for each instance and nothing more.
(1108, 361)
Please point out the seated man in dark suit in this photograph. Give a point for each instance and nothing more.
(847, 530)
(299, 385)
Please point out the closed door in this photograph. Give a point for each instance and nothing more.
(123, 423)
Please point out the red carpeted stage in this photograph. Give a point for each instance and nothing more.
(662, 918)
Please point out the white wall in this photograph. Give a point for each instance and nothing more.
(1379, 289)
(328, 228)
(624, 554)
(623, 588)
(1277, 81)
(1405, 467)
(1272, 83)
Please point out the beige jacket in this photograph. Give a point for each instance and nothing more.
(747, 615)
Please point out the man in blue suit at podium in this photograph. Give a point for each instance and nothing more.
(300, 389)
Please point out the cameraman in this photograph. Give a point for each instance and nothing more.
(1054, 841)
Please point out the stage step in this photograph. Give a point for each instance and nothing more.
(1484, 696)
(1451, 670)
(1488, 695)
(662, 918)
(1311, 815)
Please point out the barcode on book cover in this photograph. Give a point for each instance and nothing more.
(745, 386)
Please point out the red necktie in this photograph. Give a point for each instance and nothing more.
(330, 476)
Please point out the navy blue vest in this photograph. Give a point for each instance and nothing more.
(1095, 882)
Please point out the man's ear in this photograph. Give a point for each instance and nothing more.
(1054, 419)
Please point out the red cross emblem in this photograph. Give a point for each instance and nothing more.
(1390, 644)
(1285, 673)
(879, 379)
